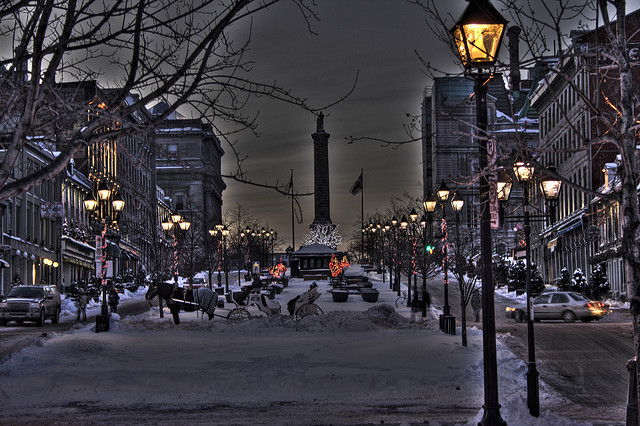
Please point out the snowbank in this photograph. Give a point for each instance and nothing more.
(504, 292)
(69, 308)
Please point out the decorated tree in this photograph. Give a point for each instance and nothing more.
(325, 234)
(564, 280)
(579, 281)
(598, 283)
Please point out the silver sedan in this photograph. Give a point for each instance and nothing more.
(560, 305)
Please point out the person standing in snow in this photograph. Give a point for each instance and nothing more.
(81, 304)
(476, 304)
(114, 299)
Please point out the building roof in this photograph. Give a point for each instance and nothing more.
(315, 249)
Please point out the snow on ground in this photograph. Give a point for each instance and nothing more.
(69, 309)
(511, 295)
(359, 363)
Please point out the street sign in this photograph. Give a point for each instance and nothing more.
(51, 209)
(494, 203)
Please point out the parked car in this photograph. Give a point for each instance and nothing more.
(560, 305)
(31, 303)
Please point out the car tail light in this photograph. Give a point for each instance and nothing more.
(594, 305)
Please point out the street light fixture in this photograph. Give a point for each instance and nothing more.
(477, 37)
(443, 192)
(524, 171)
(550, 186)
(504, 186)
(430, 203)
(457, 202)
(404, 223)
(104, 192)
(176, 217)
(90, 203)
(184, 225)
(117, 203)
(166, 225)
(413, 215)
(478, 34)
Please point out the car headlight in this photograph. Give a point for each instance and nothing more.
(510, 309)
(34, 304)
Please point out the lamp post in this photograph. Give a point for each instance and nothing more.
(387, 228)
(429, 205)
(477, 36)
(394, 260)
(550, 188)
(447, 321)
(404, 226)
(100, 207)
(225, 233)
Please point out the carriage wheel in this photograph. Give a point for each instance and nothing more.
(238, 315)
(308, 310)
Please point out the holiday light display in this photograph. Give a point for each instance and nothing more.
(278, 271)
(336, 266)
(325, 234)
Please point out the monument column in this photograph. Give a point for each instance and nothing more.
(321, 173)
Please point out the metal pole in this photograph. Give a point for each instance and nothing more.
(491, 405)
(396, 262)
(226, 269)
(410, 272)
(533, 394)
(424, 270)
(445, 261)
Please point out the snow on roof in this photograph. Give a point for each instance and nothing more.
(315, 248)
(500, 114)
(516, 130)
(181, 129)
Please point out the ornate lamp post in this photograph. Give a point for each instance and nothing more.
(100, 207)
(225, 233)
(550, 188)
(387, 229)
(447, 321)
(429, 204)
(477, 37)
(394, 260)
(413, 217)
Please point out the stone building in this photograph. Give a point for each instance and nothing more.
(567, 130)
(31, 223)
(77, 241)
(126, 164)
(188, 167)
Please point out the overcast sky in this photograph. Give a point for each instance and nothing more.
(376, 38)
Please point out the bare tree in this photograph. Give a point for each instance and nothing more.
(140, 52)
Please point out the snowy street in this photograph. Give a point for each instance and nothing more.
(349, 366)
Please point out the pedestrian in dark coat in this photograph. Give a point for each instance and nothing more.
(114, 299)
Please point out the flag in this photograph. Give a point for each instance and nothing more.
(357, 185)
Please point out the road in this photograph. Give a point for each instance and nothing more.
(13, 337)
(584, 362)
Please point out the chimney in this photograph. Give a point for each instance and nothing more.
(514, 59)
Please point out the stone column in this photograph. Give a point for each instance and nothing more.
(321, 173)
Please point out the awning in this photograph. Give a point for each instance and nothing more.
(570, 227)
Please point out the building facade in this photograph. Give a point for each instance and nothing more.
(188, 169)
(31, 224)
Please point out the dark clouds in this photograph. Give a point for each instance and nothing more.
(376, 38)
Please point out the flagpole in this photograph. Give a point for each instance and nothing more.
(293, 226)
(362, 214)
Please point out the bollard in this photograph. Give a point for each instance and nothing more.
(632, 399)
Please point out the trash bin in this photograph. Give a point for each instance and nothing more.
(340, 295)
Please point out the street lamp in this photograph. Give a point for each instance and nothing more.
(91, 204)
(477, 37)
(394, 260)
(225, 233)
(447, 321)
(550, 188)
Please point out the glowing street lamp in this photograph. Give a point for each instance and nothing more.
(478, 33)
(550, 186)
(90, 203)
(443, 192)
(117, 203)
(457, 202)
(103, 191)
